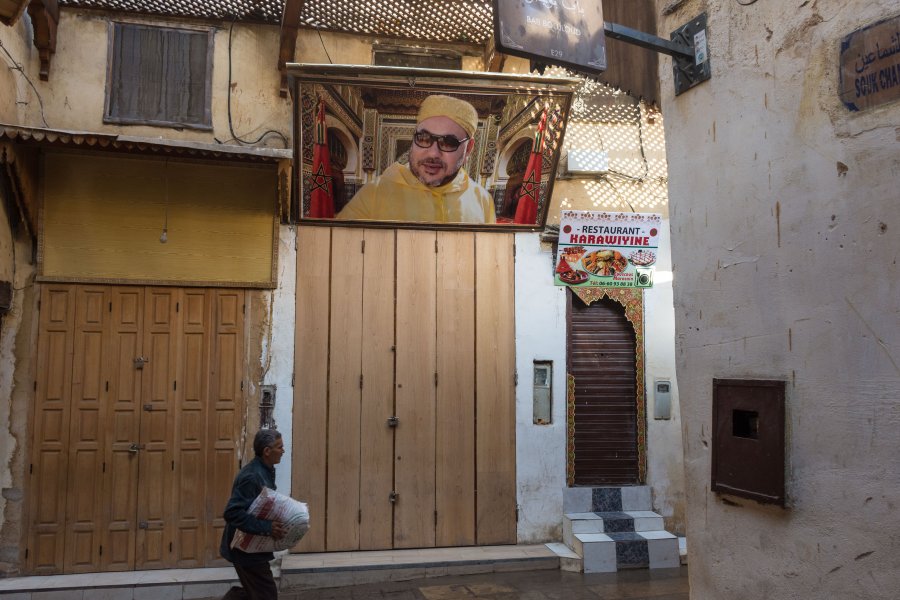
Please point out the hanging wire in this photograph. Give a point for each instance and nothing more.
(618, 193)
(234, 136)
(17, 67)
(323, 46)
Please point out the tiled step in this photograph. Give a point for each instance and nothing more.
(607, 499)
(609, 522)
(610, 552)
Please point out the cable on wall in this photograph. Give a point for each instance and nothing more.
(17, 67)
(235, 136)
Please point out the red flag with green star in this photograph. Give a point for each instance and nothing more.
(529, 193)
(321, 190)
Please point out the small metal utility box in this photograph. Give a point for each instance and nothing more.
(748, 439)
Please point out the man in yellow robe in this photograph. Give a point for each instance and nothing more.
(433, 187)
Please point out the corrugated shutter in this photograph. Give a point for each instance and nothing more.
(602, 361)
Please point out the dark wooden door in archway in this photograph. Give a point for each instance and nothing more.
(601, 358)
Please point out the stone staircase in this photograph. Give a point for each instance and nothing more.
(613, 528)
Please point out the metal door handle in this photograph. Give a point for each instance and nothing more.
(140, 361)
(393, 421)
(134, 448)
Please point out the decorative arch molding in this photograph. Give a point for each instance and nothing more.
(526, 135)
(336, 127)
(633, 302)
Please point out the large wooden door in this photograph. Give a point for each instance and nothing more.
(136, 426)
(601, 359)
(404, 411)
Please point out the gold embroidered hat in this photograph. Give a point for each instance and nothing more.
(459, 111)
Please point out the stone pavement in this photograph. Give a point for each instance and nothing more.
(639, 584)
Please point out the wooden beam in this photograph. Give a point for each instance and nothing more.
(493, 60)
(290, 23)
(45, 19)
(11, 10)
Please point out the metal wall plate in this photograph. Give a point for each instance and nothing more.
(689, 73)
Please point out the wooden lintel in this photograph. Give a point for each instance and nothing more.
(290, 22)
(493, 60)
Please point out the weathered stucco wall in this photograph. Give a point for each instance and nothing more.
(17, 337)
(785, 245)
(17, 99)
(73, 97)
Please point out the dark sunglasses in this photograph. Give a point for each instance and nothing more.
(446, 143)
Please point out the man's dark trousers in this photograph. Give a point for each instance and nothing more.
(257, 582)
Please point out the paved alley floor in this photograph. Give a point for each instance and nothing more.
(657, 584)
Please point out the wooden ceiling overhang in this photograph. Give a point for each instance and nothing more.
(460, 22)
(37, 136)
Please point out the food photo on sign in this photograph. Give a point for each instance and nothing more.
(607, 249)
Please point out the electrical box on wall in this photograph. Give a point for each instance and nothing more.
(748, 439)
(543, 398)
(662, 399)
(586, 161)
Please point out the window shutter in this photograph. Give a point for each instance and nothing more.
(159, 76)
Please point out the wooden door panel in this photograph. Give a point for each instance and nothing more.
(495, 389)
(83, 536)
(310, 420)
(229, 412)
(49, 465)
(108, 436)
(155, 501)
(119, 497)
(377, 345)
(190, 447)
(455, 401)
(414, 441)
(344, 388)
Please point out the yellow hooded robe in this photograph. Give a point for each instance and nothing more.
(398, 195)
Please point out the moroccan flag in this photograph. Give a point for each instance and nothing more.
(321, 190)
(529, 193)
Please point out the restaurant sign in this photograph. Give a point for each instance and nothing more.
(607, 249)
(870, 65)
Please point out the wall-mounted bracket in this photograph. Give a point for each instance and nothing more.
(687, 47)
(695, 69)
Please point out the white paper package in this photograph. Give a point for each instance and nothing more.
(272, 506)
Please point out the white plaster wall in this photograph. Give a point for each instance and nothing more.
(785, 242)
(540, 449)
(665, 464)
(278, 348)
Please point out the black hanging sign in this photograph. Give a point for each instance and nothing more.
(560, 32)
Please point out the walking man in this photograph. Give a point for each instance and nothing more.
(253, 568)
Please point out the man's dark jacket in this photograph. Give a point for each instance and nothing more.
(247, 486)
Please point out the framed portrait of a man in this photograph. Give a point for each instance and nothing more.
(394, 146)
